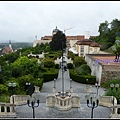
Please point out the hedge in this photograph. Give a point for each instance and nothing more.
(49, 76)
(82, 78)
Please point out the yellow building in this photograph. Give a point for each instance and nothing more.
(87, 46)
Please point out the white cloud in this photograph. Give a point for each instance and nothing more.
(22, 20)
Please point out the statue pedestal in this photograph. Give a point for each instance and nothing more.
(63, 101)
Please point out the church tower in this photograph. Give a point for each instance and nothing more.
(55, 31)
(10, 46)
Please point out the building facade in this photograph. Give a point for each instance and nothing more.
(86, 46)
(70, 40)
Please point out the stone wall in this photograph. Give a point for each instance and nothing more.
(110, 72)
(102, 72)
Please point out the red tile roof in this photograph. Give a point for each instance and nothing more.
(78, 37)
(94, 44)
(46, 38)
(6, 50)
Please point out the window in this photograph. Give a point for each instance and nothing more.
(82, 50)
(95, 49)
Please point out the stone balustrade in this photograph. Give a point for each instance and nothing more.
(68, 60)
(115, 112)
(110, 101)
(19, 99)
(75, 100)
(7, 110)
(63, 102)
(107, 101)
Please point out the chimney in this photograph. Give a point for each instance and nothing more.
(87, 35)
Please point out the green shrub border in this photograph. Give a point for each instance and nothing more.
(82, 78)
(49, 76)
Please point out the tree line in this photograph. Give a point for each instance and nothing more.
(109, 37)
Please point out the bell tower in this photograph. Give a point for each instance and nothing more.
(10, 45)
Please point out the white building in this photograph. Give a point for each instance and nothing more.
(40, 41)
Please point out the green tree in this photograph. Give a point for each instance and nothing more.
(84, 69)
(78, 61)
(58, 41)
(71, 55)
(115, 24)
(49, 63)
(29, 66)
(3, 89)
(103, 28)
(116, 49)
(17, 71)
(24, 79)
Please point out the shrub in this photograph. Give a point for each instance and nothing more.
(70, 65)
(49, 63)
(82, 78)
(57, 66)
(84, 69)
(78, 61)
(49, 76)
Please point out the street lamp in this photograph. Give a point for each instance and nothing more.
(30, 88)
(12, 86)
(97, 86)
(92, 101)
(38, 80)
(86, 81)
(112, 86)
(32, 102)
(62, 68)
(27, 86)
(28, 83)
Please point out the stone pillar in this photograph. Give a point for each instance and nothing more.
(58, 102)
(114, 104)
(5, 109)
(54, 90)
(88, 88)
(63, 103)
(12, 109)
(37, 89)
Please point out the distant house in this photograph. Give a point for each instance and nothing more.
(87, 46)
(7, 49)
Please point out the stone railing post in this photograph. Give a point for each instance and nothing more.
(88, 88)
(5, 112)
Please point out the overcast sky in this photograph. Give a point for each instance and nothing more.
(21, 21)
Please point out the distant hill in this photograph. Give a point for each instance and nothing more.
(17, 45)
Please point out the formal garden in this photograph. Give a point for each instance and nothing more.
(17, 67)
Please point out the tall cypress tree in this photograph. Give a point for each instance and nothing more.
(58, 41)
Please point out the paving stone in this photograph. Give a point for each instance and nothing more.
(42, 111)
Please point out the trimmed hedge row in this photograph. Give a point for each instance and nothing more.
(49, 76)
(82, 78)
